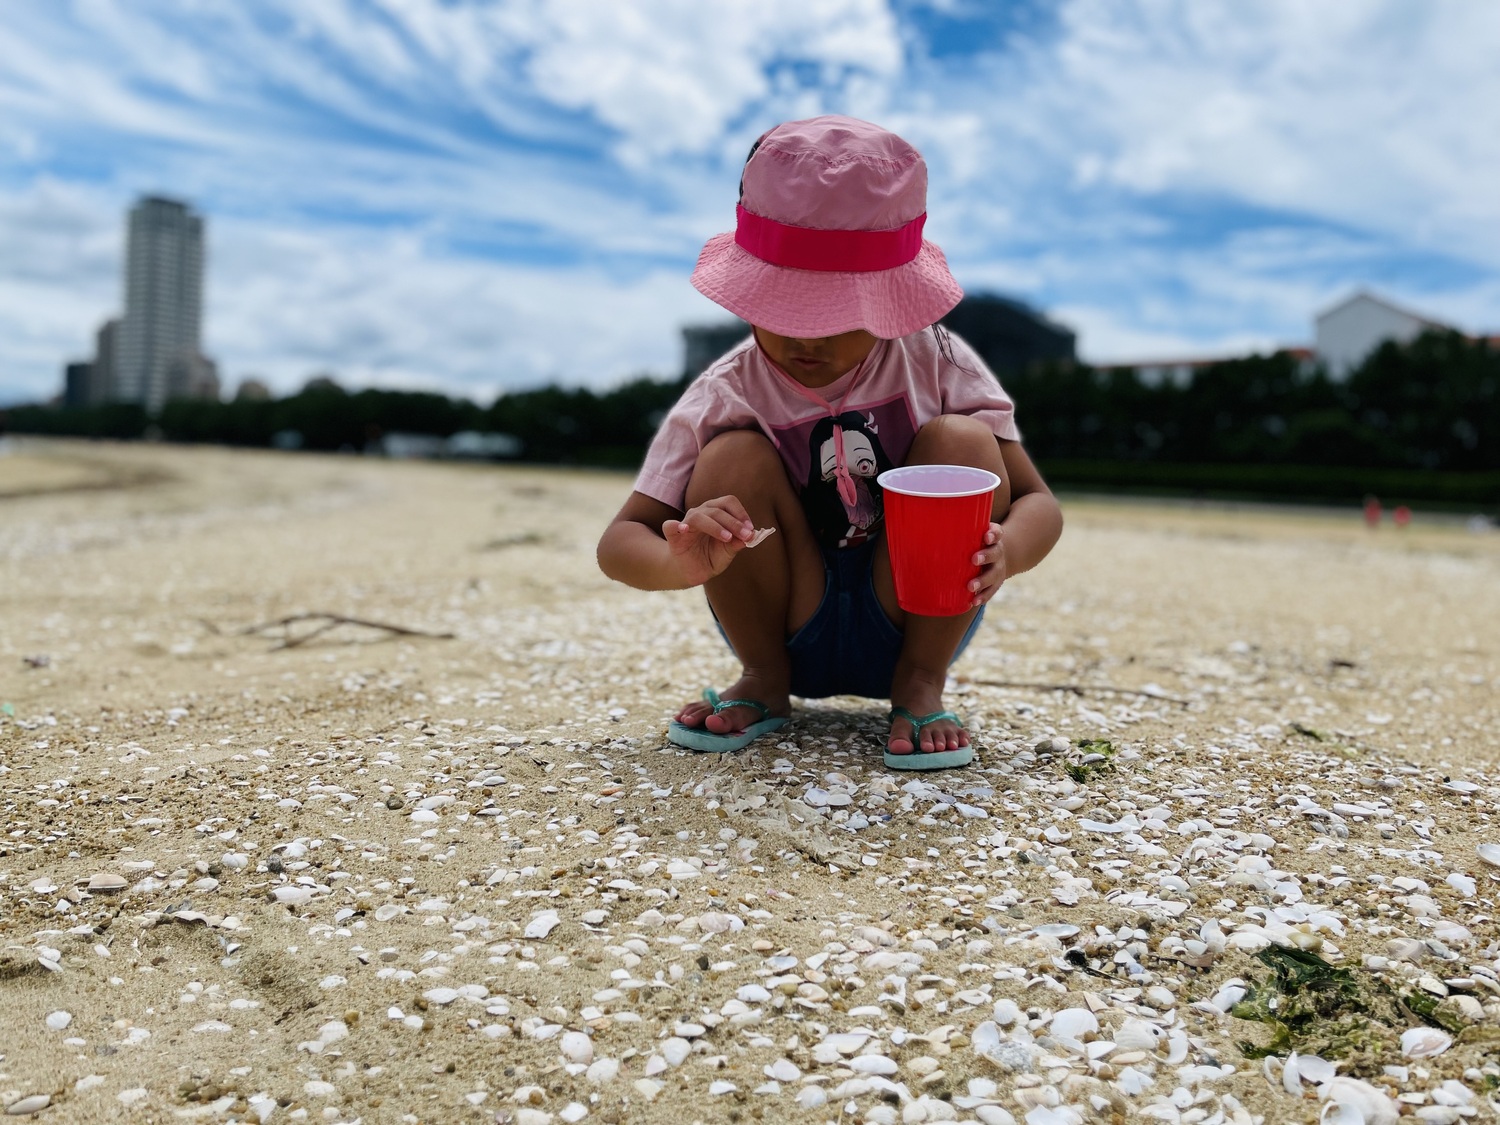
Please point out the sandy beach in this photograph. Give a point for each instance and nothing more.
(335, 789)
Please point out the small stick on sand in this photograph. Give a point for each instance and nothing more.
(329, 621)
(1078, 689)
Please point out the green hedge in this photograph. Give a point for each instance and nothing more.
(1310, 484)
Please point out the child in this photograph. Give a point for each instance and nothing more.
(846, 374)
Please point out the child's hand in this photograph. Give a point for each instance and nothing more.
(707, 538)
(991, 562)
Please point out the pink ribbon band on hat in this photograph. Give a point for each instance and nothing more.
(804, 248)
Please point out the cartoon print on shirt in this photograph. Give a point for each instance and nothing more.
(844, 508)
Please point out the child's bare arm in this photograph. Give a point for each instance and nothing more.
(653, 546)
(1026, 533)
(1034, 523)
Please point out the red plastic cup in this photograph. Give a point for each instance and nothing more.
(935, 519)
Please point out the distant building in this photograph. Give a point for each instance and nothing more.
(252, 389)
(1182, 371)
(87, 383)
(1159, 372)
(78, 381)
(106, 353)
(704, 343)
(163, 299)
(409, 447)
(474, 445)
(1009, 335)
(193, 375)
(1348, 332)
(323, 381)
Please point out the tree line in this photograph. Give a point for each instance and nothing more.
(1422, 416)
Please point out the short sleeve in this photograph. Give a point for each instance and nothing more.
(702, 413)
(969, 387)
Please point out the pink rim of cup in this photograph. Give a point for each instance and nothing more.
(935, 519)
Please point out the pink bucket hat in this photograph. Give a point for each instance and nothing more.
(829, 236)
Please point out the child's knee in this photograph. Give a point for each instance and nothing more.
(957, 439)
(733, 462)
(959, 432)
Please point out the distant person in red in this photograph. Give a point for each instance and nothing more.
(1372, 512)
(1401, 516)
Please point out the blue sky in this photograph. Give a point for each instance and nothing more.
(488, 195)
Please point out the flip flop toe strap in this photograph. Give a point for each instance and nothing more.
(917, 723)
(725, 704)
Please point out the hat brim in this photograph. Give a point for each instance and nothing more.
(810, 304)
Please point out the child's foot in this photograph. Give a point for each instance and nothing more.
(922, 698)
(700, 713)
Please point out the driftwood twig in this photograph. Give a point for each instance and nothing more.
(326, 621)
(1080, 689)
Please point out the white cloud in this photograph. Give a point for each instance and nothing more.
(670, 75)
(390, 310)
(481, 195)
(1376, 114)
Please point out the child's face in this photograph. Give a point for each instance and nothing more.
(817, 362)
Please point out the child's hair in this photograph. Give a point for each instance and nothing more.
(748, 155)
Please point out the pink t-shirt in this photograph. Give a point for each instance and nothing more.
(903, 385)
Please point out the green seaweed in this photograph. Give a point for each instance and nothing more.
(1313, 1007)
(1082, 771)
(1429, 1008)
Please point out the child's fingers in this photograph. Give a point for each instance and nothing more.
(716, 523)
(991, 576)
(732, 505)
(727, 512)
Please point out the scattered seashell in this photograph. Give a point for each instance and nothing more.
(1350, 1101)
(576, 1047)
(32, 1103)
(1424, 1042)
(602, 1072)
(541, 925)
(1463, 884)
(718, 923)
(1137, 1035)
(1073, 1023)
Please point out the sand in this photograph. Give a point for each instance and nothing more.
(154, 719)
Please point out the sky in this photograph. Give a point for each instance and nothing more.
(476, 196)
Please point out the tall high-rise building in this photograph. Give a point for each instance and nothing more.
(163, 300)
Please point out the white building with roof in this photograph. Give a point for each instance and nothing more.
(1349, 331)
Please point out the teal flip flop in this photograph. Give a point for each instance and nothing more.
(701, 738)
(916, 760)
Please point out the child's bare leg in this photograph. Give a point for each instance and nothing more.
(931, 641)
(769, 591)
